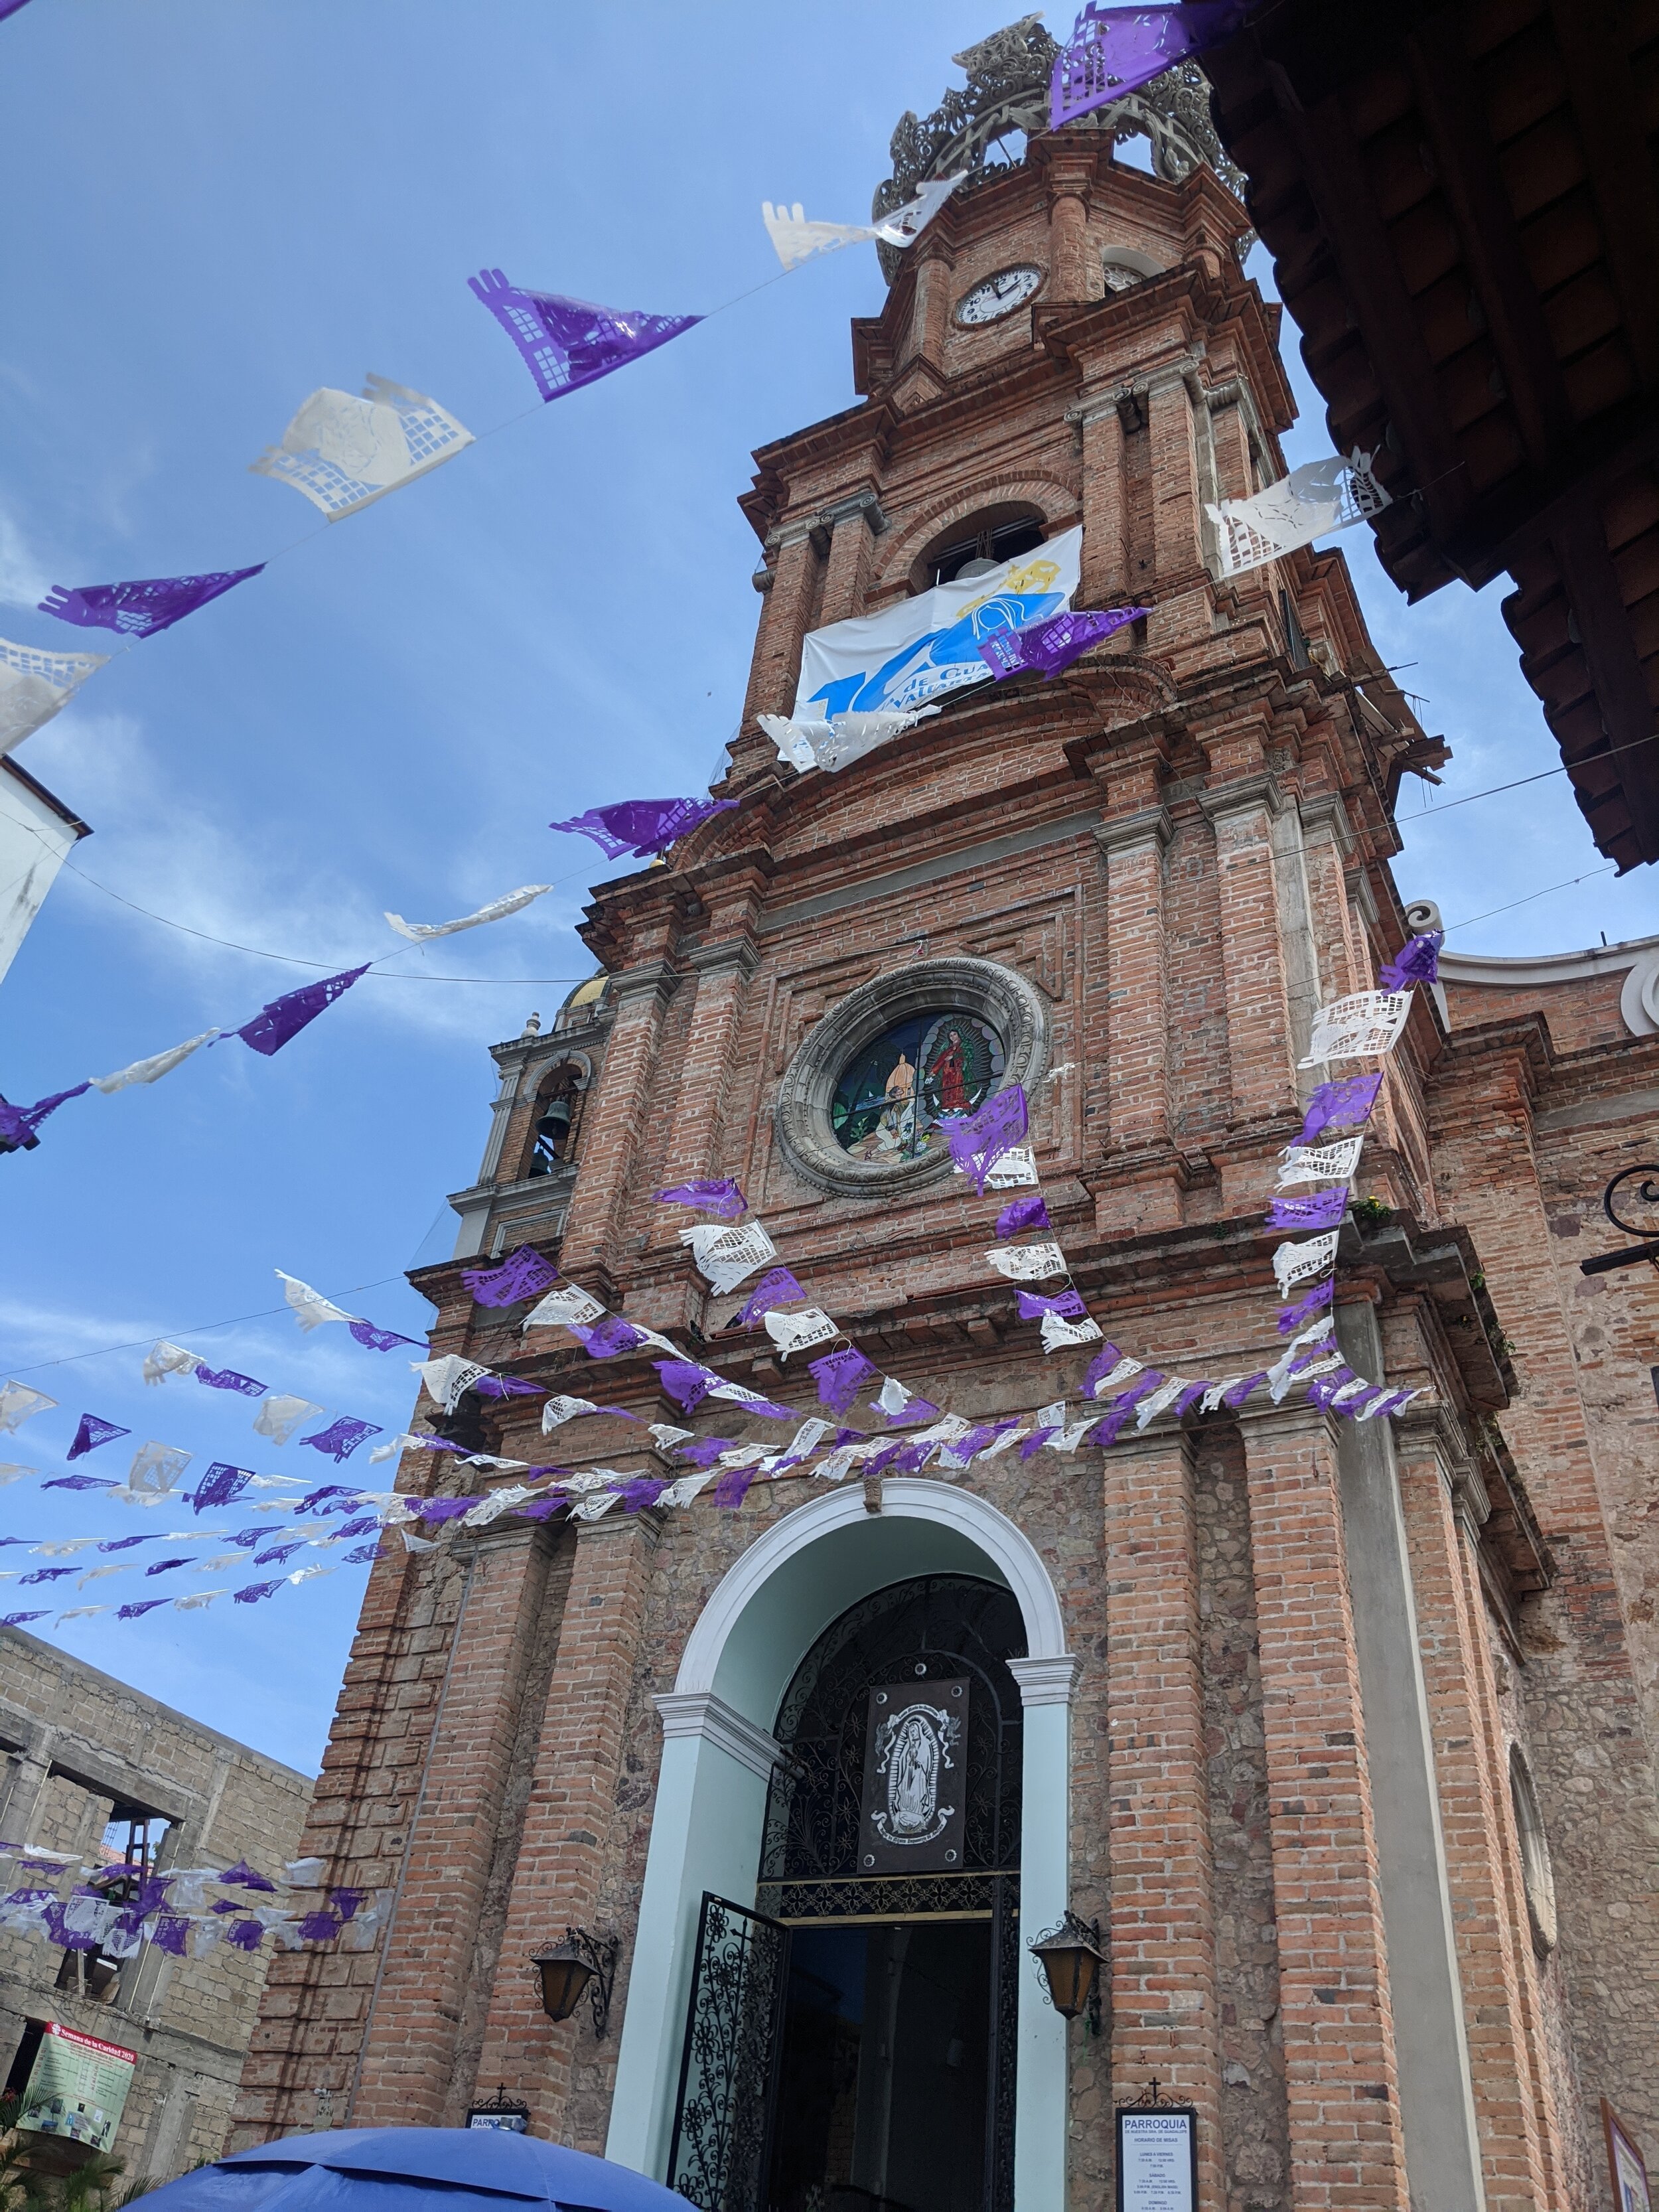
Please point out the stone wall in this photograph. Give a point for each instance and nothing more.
(76, 1743)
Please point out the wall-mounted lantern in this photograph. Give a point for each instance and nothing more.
(582, 1961)
(1071, 1957)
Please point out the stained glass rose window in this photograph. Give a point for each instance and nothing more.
(892, 1096)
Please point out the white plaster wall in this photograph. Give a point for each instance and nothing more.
(33, 840)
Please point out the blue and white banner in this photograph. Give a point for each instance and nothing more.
(914, 651)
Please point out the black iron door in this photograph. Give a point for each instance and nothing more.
(721, 2151)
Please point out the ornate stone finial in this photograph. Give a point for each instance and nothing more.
(1007, 92)
(532, 1025)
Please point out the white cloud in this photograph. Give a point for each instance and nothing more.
(23, 581)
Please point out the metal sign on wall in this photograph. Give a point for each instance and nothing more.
(915, 1779)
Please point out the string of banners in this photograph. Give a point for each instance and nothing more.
(988, 1147)
(861, 686)
(111, 1910)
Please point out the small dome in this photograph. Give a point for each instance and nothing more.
(587, 993)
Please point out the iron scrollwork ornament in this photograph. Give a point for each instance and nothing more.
(1645, 1194)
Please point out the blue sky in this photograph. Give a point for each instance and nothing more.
(212, 211)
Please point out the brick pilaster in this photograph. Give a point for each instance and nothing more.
(617, 1119)
(1341, 2083)
(1494, 1955)
(786, 617)
(723, 973)
(410, 2038)
(1258, 996)
(1163, 1924)
(566, 1841)
(850, 522)
(1105, 571)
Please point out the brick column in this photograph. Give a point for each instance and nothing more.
(615, 1121)
(1177, 547)
(1163, 1929)
(786, 617)
(851, 523)
(1105, 574)
(930, 308)
(1135, 1051)
(407, 2065)
(1341, 2081)
(723, 973)
(1069, 274)
(572, 1801)
(1445, 1503)
(1258, 998)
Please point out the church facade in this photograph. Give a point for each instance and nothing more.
(1339, 1736)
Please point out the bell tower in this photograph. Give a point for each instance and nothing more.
(1235, 1680)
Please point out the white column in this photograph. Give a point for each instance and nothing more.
(705, 1834)
(1045, 1877)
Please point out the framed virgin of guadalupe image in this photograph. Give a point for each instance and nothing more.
(1625, 2164)
(1157, 2157)
(915, 1794)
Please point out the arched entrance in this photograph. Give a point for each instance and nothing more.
(767, 1731)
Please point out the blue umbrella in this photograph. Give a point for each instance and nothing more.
(412, 2170)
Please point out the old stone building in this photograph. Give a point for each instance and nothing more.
(1340, 1733)
(94, 1768)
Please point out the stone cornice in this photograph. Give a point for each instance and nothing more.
(1046, 1681)
(701, 1714)
(1149, 825)
(1244, 793)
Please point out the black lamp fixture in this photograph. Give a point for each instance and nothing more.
(582, 1961)
(1071, 1957)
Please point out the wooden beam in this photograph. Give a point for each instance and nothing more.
(1615, 667)
(1525, 508)
(1597, 64)
(1466, 166)
(1347, 208)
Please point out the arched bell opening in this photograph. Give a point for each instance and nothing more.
(556, 1121)
(753, 1842)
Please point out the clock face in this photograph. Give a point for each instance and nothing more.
(998, 295)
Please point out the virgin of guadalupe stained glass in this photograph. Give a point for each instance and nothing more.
(894, 1093)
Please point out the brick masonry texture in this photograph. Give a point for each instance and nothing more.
(1181, 847)
(76, 1743)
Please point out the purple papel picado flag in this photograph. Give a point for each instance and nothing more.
(721, 1197)
(93, 1431)
(1341, 1105)
(341, 1438)
(566, 342)
(644, 827)
(1417, 961)
(1113, 51)
(1050, 647)
(140, 610)
(523, 1274)
(18, 1124)
(284, 1018)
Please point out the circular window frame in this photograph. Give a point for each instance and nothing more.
(993, 994)
(1537, 1872)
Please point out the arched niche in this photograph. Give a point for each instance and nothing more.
(719, 1753)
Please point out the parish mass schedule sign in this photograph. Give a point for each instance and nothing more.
(77, 2088)
(1157, 2159)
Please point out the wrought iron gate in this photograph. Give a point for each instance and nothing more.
(720, 2155)
(1005, 2045)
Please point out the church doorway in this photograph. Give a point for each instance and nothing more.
(851, 2042)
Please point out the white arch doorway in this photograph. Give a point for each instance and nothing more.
(719, 1753)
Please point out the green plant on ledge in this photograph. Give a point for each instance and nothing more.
(1370, 1212)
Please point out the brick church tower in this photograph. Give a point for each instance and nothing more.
(1294, 1709)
